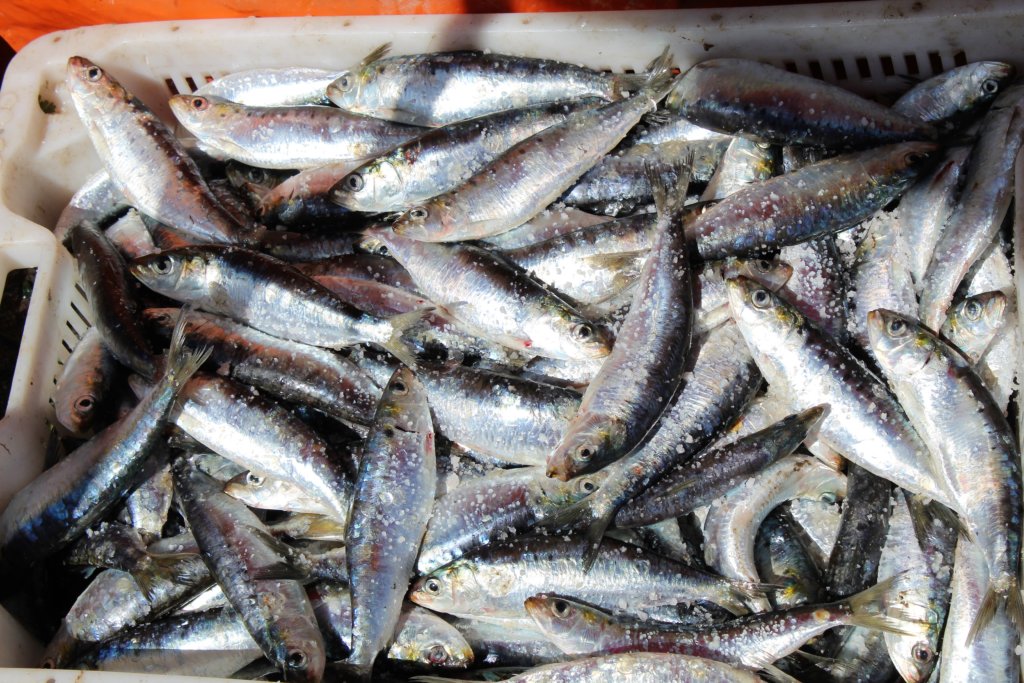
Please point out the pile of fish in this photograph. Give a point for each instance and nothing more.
(473, 365)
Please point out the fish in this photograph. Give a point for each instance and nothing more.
(784, 557)
(974, 322)
(882, 276)
(973, 447)
(146, 163)
(954, 95)
(82, 393)
(256, 573)
(390, 509)
(272, 87)
(644, 369)
(530, 175)
(409, 88)
(766, 103)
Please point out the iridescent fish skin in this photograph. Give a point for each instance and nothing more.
(882, 277)
(492, 582)
(272, 87)
(744, 97)
(865, 423)
(954, 95)
(822, 198)
(988, 189)
(408, 88)
(783, 557)
(531, 175)
(96, 200)
(744, 162)
(474, 284)
(390, 509)
(303, 137)
(145, 161)
(973, 447)
(443, 158)
(240, 553)
(637, 380)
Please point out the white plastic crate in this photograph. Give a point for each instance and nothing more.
(864, 46)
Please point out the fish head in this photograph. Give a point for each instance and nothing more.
(161, 318)
(567, 621)
(368, 186)
(344, 90)
(557, 494)
(204, 113)
(570, 335)
(980, 315)
(756, 306)
(588, 444)
(771, 273)
(177, 273)
(448, 589)
(902, 163)
(914, 651)
(304, 657)
(979, 83)
(258, 491)
(428, 639)
(431, 221)
(90, 85)
(375, 241)
(403, 405)
(902, 345)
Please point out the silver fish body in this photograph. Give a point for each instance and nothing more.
(83, 387)
(974, 322)
(272, 87)
(955, 94)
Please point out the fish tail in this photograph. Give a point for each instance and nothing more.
(774, 673)
(396, 346)
(1009, 600)
(867, 610)
(183, 362)
(747, 593)
(669, 184)
(922, 513)
(660, 76)
(187, 569)
(594, 534)
(574, 517)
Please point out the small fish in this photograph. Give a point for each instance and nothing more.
(272, 87)
(955, 95)
(974, 322)
(83, 389)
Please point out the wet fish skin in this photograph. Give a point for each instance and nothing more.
(148, 505)
(814, 370)
(822, 198)
(634, 386)
(304, 136)
(129, 137)
(475, 283)
(744, 97)
(975, 220)
(820, 285)
(493, 508)
(503, 645)
(102, 273)
(442, 158)
(244, 559)
(260, 291)
(882, 277)
(714, 471)
(390, 509)
(58, 506)
(532, 174)
(782, 558)
(83, 387)
(407, 88)
(96, 201)
(954, 95)
(492, 582)
(289, 370)
(973, 447)
(272, 87)
(744, 161)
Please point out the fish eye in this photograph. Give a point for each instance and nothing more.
(254, 479)
(914, 157)
(256, 175)
(84, 404)
(296, 659)
(763, 265)
(200, 103)
(990, 86)
(560, 608)
(829, 498)
(896, 327)
(398, 386)
(162, 265)
(760, 298)
(584, 453)
(418, 213)
(587, 486)
(437, 655)
(583, 331)
(94, 73)
(972, 310)
(921, 653)
(354, 182)
(344, 82)
(432, 586)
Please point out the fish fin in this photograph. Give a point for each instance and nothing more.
(836, 667)
(324, 526)
(669, 183)
(867, 610)
(182, 363)
(993, 601)
(626, 264)
(774, 673)
(660, 77)
(289, 565)
(658, 117)
(379, 52)
(624, 85)
(399, 324)
(746, 592)
(573, 517)
(922, 513)
(594, 534)
(187, 569)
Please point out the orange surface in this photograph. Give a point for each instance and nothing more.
(21, 21)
